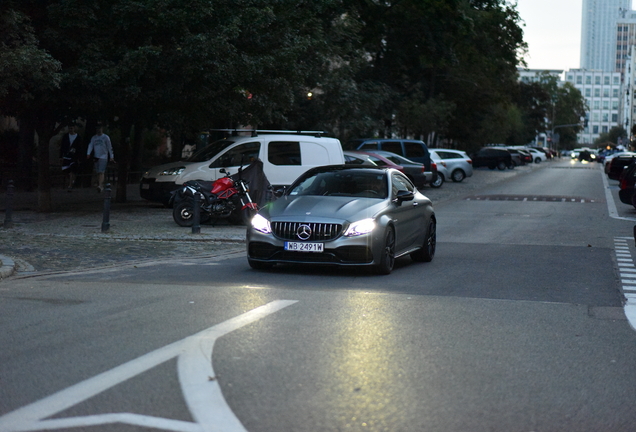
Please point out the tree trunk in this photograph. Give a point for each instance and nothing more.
(45, 126)
(26, 152)
(123, 160)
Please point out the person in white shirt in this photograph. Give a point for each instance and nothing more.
(102, 150)
(70, 148)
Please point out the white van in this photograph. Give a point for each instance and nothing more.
(284, 156)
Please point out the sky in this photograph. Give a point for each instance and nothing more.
(552, 31)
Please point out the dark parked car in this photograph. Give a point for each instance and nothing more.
(492, 157)
(617, 165)
(347, 216)
(626, 183)
(414, 150)
(415, 171)
(517, 158)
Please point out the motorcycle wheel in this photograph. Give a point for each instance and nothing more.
(183, 214)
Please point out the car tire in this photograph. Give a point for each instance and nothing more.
(183, 214)
(387, 260)
(427, 252)
(537, 160)
(501, 166)
(458, 175)
(438, 182)
(259, 265)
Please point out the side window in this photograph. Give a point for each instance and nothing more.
(372, 145)
(414, 150)
(377, 161)
(392, 146)
(400, 183)
(243, 154)
(284, 153)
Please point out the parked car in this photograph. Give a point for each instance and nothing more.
(347, 216)
(458, 164)
(537, 156)
(415, 171)
(618, 164)
(413, 150)
(608, 159)
(626, 183)
(517, 159)
(441, 168)
(284, 156)
(358, 159)
(492, 157)
(526, 156)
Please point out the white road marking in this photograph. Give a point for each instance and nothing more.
(202, 395)
(628, 281)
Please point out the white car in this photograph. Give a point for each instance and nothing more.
(537, 155)
(456, 164)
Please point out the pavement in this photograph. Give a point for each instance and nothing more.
(70, 238)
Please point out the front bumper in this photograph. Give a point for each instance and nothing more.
(346, 251)
(155, 191)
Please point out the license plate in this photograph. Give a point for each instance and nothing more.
(145, 186)
(304, 247)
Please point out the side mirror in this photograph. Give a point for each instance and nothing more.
(279, 191)
(404, 195)
(222, 170)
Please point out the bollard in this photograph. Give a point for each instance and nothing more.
(8, 222)
(106, 217)
(196, 214)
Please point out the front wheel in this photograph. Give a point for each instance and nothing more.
(501, 165)
(387, 260)
(438, 182)
(427, 252)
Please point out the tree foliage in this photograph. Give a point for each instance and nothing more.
(420, 68)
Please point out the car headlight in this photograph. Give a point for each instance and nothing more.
(364, 226)
(172, 171)
(259, 223)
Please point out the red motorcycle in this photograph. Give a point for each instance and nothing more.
(225, 198)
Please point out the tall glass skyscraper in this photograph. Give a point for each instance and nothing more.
(598, 33)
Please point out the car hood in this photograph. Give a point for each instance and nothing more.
(323, 209)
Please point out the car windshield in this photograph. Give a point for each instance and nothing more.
(349, 183)
(209, 151)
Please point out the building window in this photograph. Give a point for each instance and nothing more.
(614, 118)
(597, 80)
(605, 92)
(604, 129)
(614, 105)
(596, 105)
(588, 92)
(605, 117)
(597, 92)
(615, 80)
(588, 80)
(606, 80)
(579, 79)
(595, 117)
(615, 93)
(594, 129)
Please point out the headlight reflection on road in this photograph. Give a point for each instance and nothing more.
(365, 364)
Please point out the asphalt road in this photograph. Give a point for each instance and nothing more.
(518, 324)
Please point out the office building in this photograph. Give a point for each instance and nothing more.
(598, 33)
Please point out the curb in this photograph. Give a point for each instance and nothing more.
(7, 267)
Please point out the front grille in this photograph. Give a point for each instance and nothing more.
(319, 231)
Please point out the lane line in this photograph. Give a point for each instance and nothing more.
(29, 417)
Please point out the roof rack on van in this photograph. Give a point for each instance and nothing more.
(255, 132)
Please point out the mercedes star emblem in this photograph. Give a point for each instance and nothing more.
(303, 232)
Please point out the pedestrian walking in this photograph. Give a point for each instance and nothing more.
(102, 150)
(70, 148)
